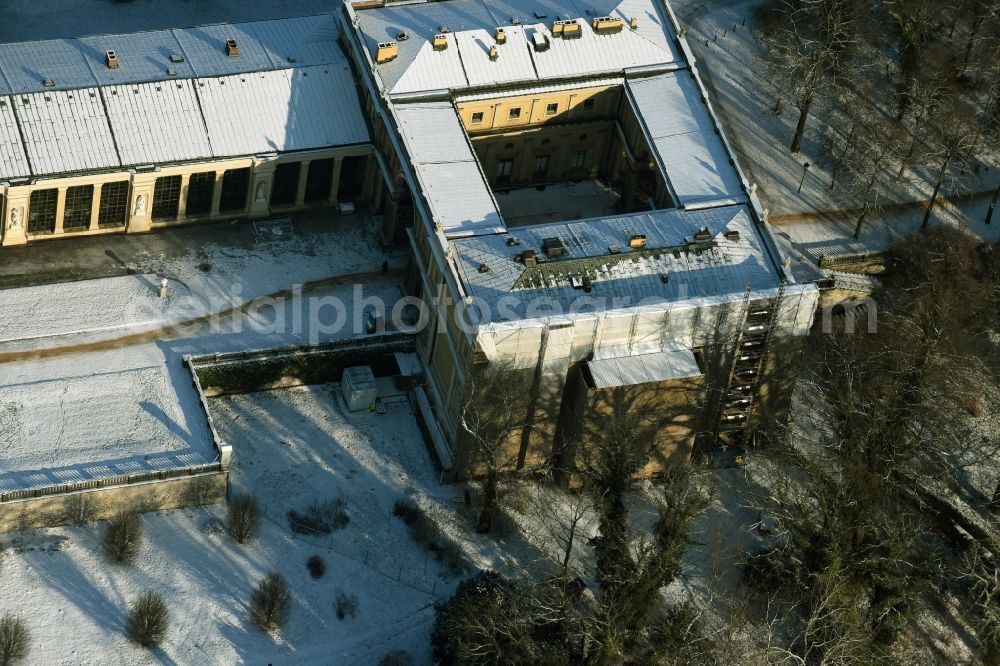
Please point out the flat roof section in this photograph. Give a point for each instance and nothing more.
(447, 170)
(634, 370)
(689, 151)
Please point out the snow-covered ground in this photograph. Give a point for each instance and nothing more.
(721, 35)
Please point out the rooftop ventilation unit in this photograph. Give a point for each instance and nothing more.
(176, 58)
(501, 36)
(733, 235)
(171, 71)
(357, 385)
(402, 36)
(440, 42)
(540, 41)
(48, 83)
(111, 59)
(553, 247)
(606, 25)
(232, 48)
(637, 241)
(386, 51)
(483, 268)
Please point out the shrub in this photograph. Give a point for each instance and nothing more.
(123, 536)
(316, 566)
(347, 605)
(271, 602)
(15, 640)
(320, 518)
(396, 658)
(243, 517)
(147, 619)
(406, 510)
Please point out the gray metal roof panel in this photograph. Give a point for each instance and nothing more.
(142, 56)
(27, 65)
(13, 160)
(66, 131)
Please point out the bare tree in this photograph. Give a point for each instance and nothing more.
(563, 515)
(493, 418)
(271, 602)
(243, 517)
(878, 144)
(808, 46)
(15, 640)
(147, 619)
(123, 536)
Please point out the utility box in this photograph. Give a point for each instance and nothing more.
(358, 387)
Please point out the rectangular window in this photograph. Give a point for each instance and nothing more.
(588, 104)
(235, 191)
(42, 211)
(318, 181)
(504, 167)
(551, 109)
(201, 189)
(79, 202)
(166, 198)
(541, 165)
(579, 159)
(477, 117)
(113, 209)
(286, 184)
(514, 113)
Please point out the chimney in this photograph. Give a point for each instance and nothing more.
(637, 241)
(232, 48)
(633, 23)
(703, 234)
(604, 25)
(528, 257)
(493, 53)
(111, 59)
(501, 36)
(440, 42)
(386, 51)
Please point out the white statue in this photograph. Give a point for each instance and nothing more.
(140, 204)
(15, 218)
(261, 193)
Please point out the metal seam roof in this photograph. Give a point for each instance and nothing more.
(13, 160)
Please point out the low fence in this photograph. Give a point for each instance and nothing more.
(94, 484)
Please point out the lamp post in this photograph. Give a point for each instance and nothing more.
(805, 169)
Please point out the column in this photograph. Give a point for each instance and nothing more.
(338, 162)
(141, 205)
(60, 210)
(300, 195)
(217, 193)
(95, 208)
(260, 186)
(182, 203)
(15, 222)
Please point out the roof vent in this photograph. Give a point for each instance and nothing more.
(386, 51)
(614, 249)
(292, 59)
(515, 20)
(540, 41)
(540, 14)
(606, 25)
(444, 29)
(176, 58)
(111, 59)
(703, 234)
(48, 83)
(553, 247)
(575, 281)
(171, 71)
(511, 241)
(501, 36)
(402, 36)
(733, 235)
(591, 12)
(483, 268)
(493, 53)
(637, 241)
(232, 48)
(440, 42)
(633, 23)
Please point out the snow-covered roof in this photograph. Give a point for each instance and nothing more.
(691, 154)
(154, 123)
(459, 197)
(290, 88)
(65, 131)
(672, 267)
(635, 369)
(13, 161)
(147, 56)
(470, 27)
(291, 109)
